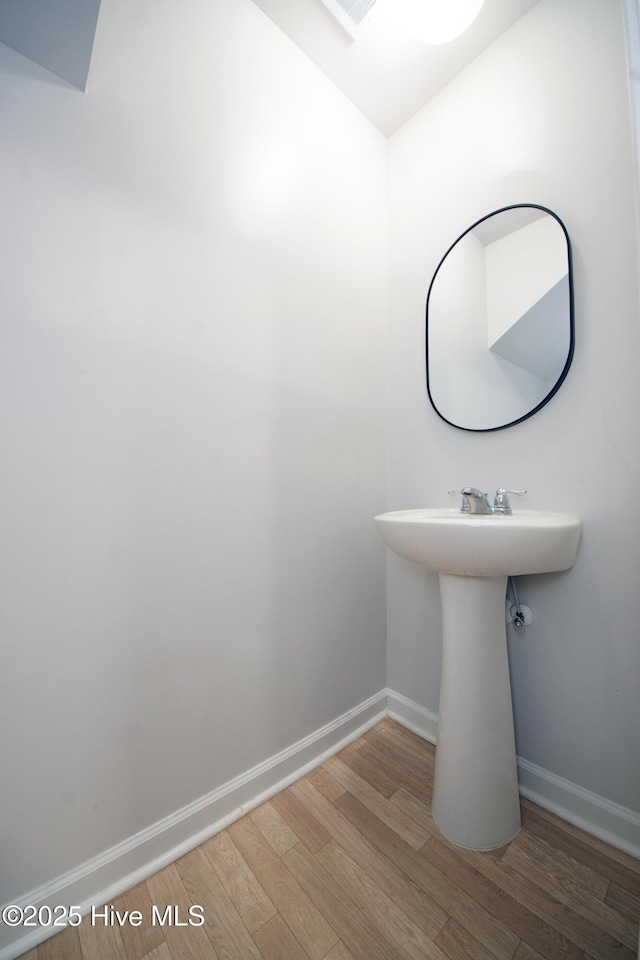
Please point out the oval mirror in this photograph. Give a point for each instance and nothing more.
(500, 319)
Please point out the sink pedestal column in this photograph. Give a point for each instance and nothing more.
(475, 792)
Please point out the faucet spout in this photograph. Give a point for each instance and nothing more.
(478, 501)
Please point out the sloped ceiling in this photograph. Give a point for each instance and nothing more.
(57, 34)
(388, 75)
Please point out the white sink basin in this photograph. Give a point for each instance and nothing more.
(470, 545)
(475, 789)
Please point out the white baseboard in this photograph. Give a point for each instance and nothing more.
(616, 825)
(611, 822)
(105, 877)
(412, 716)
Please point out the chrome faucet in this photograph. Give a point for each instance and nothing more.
(477, 502)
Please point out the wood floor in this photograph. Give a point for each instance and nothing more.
(346, 864)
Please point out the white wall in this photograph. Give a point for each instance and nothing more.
(193, 277)
(542, 117)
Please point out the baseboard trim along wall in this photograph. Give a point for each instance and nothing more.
(105, 877)
(611, 822)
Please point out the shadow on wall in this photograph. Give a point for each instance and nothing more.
(57, 34)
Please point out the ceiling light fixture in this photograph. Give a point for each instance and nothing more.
(436, 21)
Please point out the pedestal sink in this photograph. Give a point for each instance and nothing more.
(475, 792)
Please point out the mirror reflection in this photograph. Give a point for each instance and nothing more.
(500, 319)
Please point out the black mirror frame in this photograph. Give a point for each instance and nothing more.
(565, 370)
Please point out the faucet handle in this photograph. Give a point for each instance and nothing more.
(466, 506)
(501, 502)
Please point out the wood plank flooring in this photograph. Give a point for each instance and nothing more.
(346, 864)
